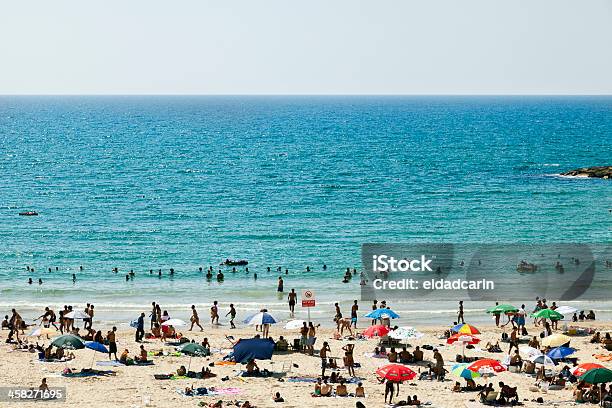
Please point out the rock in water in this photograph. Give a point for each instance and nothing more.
(604, 172)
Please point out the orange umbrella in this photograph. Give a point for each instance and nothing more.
(583, 368)
(396, 372)
(376, 330)
(486, 364)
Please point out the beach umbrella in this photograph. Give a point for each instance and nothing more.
(294, 324)
(544, 360)
(94, 345)
(405, 333)
(556, 340)
(583, 368)
(566, 310)
(376, 330)
(547, 314)
(99, 347)
(465, 328)
(174, 323)
(486, 364)
(77, 315)
(530, 352)
(396, 372)
(193, 349)
(597, 376)
(382, 314)
(68, 341)
(463, 338)
(247, 349)
(503, 309)
(560, 352)
(41, 331)
(461, 370)
(262, 318)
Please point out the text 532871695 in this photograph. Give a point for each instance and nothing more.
(14, 394)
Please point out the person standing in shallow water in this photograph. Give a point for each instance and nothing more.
(232, 315)
(292, 300)
(460, 313)
(280, 284)
(214, 314)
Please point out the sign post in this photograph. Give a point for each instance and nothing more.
(308, 300)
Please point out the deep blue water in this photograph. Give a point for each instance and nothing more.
(183, 182)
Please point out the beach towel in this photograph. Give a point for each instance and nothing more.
(603, 357)
(225, 363)
(88, 373)
(109, 363)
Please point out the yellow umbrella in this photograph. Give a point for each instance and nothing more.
(555, 340)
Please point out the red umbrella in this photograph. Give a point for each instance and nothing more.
(486, 363)
(377, 330)
(396, 372)
(463, 338)
(583, 368)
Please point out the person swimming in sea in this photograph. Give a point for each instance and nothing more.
(220, 276)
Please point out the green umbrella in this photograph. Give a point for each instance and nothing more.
(597, 376)
(547, 314)
(194, 349)
(68, 341)
(502, 309)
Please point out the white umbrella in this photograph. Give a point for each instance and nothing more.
(294, 324)
(174, 323)
(262, 318)
(77, 314)
(530, 352)
(405, 333)
(566, 311)
(42, 331)
(544, 360)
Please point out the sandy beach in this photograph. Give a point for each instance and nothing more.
(135, 386)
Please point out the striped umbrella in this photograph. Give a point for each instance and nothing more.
(465, 328)
(461, 370)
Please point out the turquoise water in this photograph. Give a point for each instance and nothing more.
(158, 182)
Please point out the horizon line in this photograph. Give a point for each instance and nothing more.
(315, 94)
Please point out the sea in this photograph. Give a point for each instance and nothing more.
(149, 183)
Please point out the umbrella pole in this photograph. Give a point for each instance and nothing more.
(189, 365)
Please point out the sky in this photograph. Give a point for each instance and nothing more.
(306, 47)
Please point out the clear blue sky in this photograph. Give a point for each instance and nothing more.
(306, 47)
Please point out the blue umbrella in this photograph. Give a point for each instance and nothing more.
(560, 352)
(94, 345)
(382, 313)
(247, 349)
(261, 318)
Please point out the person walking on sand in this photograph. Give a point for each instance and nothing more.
(232, 315)
(140, 328)
(214, 314)
(195, 319)
(292, 300)
(111, 338)
(374, 307)
(460, 313)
